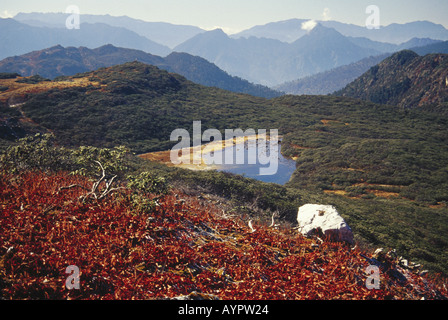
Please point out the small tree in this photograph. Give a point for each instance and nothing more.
(86, 161)
(147, 189)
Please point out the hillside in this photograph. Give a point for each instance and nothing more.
(134, 104)
(406, 80)
(385, 169)
(390, 47)
(185, 246)
(59, 61)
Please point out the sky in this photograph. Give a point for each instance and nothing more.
(236, 15)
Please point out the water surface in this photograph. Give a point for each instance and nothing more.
(284, 172)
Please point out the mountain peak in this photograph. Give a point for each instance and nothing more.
(216, 33)
(322, 36)
(107, 49)
(402, 57)
(320, 30)
(55, 48)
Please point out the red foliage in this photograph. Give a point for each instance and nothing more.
(183, 246)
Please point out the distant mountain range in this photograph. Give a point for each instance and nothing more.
(270, 55)
(390, 47)
(17, 38)
(439, 47)
(166, 34)
(271, 62)
(336, 79)
(291, 30)
(406, 80)
(59, 61)
(171, 35)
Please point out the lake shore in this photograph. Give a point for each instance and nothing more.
(199, 152)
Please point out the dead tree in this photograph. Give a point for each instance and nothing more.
(95, 192)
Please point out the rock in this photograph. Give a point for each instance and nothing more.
(315, 218)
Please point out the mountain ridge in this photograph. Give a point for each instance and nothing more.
(330, 81)
(336, 79)
(292, 29)
(17, 38)
(164, 33)
(59, 61)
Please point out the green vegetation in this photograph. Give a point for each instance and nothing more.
(32, 80)
(417, 231)
(147, 190)
(140, 108)
(357, 148)
(8, 75)
(41, 153)
(371, 144)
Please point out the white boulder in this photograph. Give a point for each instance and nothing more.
(315, 218)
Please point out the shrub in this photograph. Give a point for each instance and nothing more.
(35, 153)
(112, 160)
(147, 189)
(32, 80)
(8, 75)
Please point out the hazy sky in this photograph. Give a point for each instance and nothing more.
(236, 15)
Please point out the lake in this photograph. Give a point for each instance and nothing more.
(284, 172)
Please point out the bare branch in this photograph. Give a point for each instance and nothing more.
(72, 186)
(273, 225)
(106, 192)
(96, 184)
(102, 169)
(251, 227)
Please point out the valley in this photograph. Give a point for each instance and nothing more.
(103, 167)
